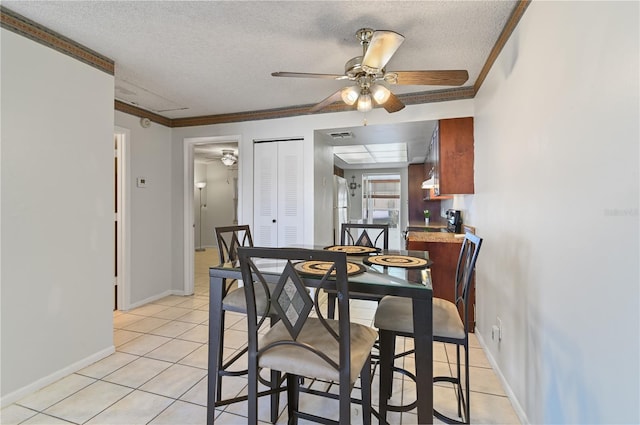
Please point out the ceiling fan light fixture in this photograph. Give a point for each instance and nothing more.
(350, 95)
(380, 94)
(364, 102)
(228, 161)
(228, 158)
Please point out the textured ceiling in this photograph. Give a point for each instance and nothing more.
(185, 59)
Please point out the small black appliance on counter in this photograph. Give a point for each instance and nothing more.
(454, 221)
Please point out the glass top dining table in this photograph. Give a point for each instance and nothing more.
(404, 274)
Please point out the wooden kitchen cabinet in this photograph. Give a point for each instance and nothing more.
(430, 171)
(443, 273)
(451, 157)
(418, 198)
(416, 207)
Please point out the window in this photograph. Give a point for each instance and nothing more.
(381, 199)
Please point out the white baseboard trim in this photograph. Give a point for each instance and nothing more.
(507, 388)
(155, 298)
(180, 293)
(152, 299)
(50, 379)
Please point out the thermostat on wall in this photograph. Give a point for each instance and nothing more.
(145, 122)
(141, 182)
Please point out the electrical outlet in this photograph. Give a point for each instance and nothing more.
(499, 325)
(494, 332)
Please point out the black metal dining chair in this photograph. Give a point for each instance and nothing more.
(303, 343)
(394, 317)
(229, 239)
(369, 235)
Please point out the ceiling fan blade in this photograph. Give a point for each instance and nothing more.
(393, 104)
(382, 46)
(309, 75)
(429, 78)
(328, 101)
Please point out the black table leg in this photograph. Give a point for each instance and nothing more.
(423, 343)
(216, 286)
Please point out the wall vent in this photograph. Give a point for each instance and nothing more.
(341, 135)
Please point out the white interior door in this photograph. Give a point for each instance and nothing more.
(117, 235)
(265, 193)
(122, 218)
(290, 190)
(278, 189)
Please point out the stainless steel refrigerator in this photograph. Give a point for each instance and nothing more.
(340, 206)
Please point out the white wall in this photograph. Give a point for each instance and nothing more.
(57, 274)
(217, 196)
(323, 190)
(556, 177)
(150, 210)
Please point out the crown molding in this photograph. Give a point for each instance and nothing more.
(511, 24)
(268, 114)
(438, 95)
(265, 114)
(20, 25)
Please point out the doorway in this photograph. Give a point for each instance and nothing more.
(381, 203)
(122, 250)
(197, 152)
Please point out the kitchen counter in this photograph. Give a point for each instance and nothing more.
(435, 233)
(426, 236)
(432, 224)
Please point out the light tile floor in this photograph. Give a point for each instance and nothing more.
(158, 373)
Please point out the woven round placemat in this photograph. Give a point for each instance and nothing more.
(319, 268)
(353, 249)
(403, 261)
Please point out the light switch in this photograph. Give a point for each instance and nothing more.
(141, 182)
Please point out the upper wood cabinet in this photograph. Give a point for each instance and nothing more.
(450, 157)
(419, 201)
(416, 207)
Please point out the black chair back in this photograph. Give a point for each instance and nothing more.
(370, 235)
(464, 273)
(230, 238)
(285, 285)
(303, 342)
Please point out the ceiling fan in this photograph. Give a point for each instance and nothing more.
(228, 156)
(369, 74)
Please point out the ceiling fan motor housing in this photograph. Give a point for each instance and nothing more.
(353, 67)
(364, 35)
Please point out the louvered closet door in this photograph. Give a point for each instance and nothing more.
(278, 194)
(290, 194)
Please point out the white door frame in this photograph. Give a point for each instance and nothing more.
(188, 187)
(124, 219)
